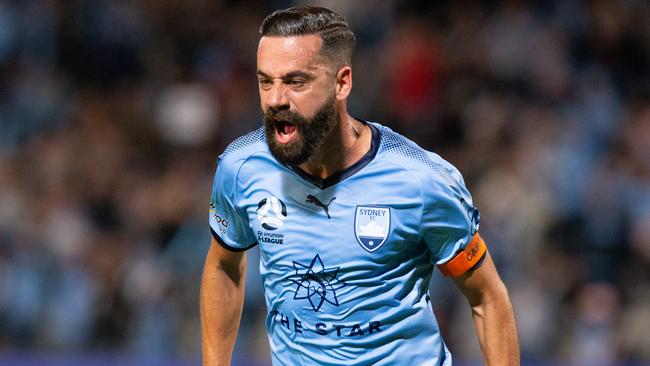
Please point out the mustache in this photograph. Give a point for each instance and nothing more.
(283, 115)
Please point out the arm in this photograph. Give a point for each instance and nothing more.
(222, 299)
(492, 312)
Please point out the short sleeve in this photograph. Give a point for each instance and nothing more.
(228, 221)
(450, 221)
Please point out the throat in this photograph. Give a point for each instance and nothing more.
(342, 151)
(319, 169)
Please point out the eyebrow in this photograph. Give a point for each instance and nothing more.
(262, 74)
(290, 75)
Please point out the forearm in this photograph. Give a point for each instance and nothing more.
(493, 314)
(222, 297)
(497, 332)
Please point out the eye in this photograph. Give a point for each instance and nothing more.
(265, 83)
(296, 83)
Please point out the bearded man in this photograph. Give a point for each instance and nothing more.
(351, 219)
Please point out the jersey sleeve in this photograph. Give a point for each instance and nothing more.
(450, 223)
(229, 221)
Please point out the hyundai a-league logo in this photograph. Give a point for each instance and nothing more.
(371, 226)
(316, 283)
(271, 212)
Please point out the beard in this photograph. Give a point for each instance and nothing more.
(311, 133)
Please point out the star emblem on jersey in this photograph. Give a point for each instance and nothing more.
(371, 226)
(316, 283)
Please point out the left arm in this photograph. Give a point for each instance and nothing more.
(493, 314)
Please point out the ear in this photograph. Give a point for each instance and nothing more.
(343, 82)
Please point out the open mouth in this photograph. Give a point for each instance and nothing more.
(284, 131)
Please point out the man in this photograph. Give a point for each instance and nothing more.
(350, 217)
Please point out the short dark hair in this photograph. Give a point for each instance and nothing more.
(338, 39)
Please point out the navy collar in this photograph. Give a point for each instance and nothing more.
(348, 172)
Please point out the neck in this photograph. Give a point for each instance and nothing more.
(347, 144)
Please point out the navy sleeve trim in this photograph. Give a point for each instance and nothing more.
(228, 247)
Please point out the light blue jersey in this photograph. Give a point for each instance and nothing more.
(346, 261)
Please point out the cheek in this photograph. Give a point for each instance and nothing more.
(308, 104)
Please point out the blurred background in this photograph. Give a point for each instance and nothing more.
(113, 112)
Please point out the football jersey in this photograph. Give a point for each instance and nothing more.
(346, 261)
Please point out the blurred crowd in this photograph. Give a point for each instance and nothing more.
(113, 112)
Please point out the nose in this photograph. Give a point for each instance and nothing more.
(277, 98)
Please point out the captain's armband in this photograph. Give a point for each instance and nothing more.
(466, 259)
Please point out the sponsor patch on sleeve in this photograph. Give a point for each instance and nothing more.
(466, 259)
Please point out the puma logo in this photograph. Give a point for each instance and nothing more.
(317, 202)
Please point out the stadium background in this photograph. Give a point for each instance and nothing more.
(112, 114)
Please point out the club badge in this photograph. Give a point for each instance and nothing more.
(371, 226)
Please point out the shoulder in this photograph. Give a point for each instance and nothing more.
(241, 149)
(429, 168)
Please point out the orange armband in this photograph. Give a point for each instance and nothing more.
(466, 259)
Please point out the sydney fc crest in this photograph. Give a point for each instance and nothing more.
(371, 226)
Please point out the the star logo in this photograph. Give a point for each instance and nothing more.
(317, 283)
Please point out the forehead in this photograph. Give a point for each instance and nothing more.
(279, 55)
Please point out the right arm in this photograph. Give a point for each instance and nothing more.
(222, 299)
